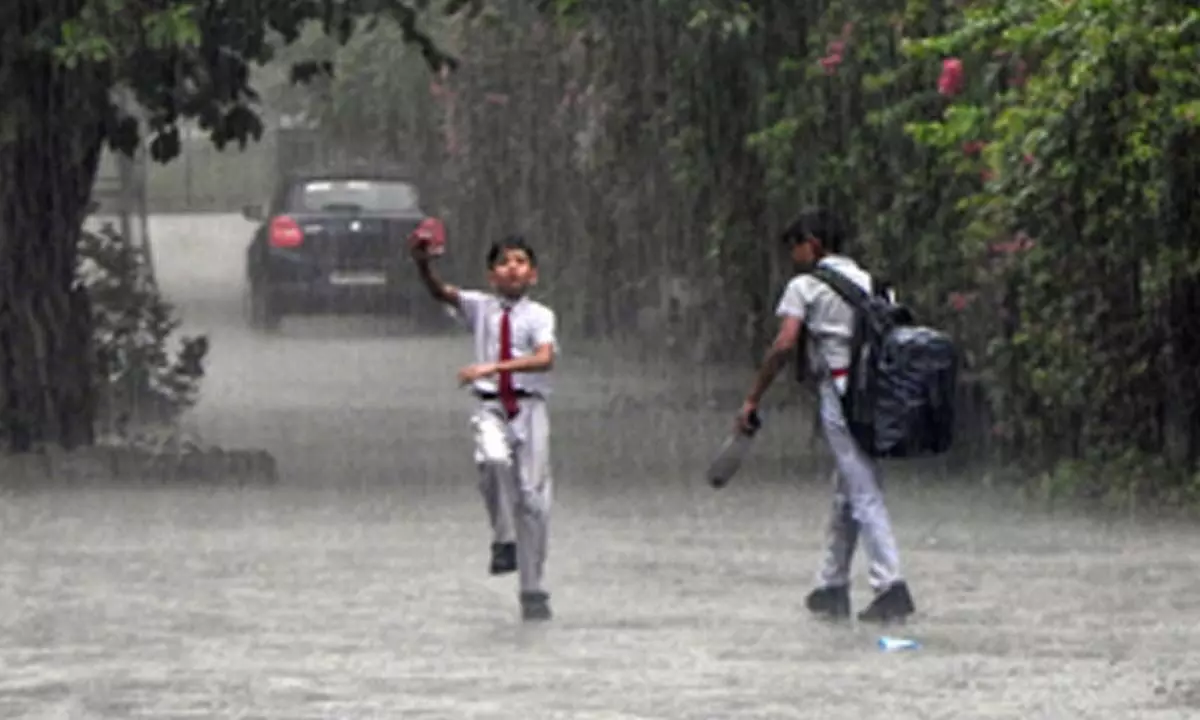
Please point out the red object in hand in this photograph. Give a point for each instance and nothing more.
(430, 235)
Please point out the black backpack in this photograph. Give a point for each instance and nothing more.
(901, 390)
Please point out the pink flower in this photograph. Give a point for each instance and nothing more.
(950, 83)
(1028, 159)
(494, 98)
(834, 52)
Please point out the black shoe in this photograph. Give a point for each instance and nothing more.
(535, 606)
(504, 558)
(831, 601)
(893, 604)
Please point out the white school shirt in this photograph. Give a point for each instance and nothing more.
(828, 318)
(531, 324)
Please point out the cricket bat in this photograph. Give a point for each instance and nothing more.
(731, 454)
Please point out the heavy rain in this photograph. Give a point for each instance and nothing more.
(242, 472)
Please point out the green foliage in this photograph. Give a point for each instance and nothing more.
(182, 60)
(140, 378)
(1078, 104)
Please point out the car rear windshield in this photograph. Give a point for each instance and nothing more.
(372, 196)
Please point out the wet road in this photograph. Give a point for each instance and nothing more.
(356, 588)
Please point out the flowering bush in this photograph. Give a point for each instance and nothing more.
(1068, 112)
(1025, 171)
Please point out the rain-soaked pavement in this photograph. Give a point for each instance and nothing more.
(356, 587)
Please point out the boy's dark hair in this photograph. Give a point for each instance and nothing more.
(821, 223)
(512, 242)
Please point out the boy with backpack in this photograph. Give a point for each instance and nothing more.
(849, 323)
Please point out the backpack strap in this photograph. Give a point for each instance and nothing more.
(844, 286)
(858, 399)
(875, 308)
(858, 299)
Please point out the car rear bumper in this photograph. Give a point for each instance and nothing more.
(308, 288)
(317, 295)
(298, 283)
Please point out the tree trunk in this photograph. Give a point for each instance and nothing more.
(47, 169)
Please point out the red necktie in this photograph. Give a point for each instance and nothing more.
(508, 394)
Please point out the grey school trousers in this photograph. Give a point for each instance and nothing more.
(513, 457)
(858, 507)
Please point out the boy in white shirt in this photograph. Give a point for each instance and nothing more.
(810, 305)
(515, 347)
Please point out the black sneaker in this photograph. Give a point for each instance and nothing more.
(831, 601)
(504, 558)
(893, 604)
(535, 606)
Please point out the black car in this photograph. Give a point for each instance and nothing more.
(335, 243)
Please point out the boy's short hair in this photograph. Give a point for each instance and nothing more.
(819, 222)
(512, 242)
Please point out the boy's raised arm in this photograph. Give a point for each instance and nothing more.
(439, 290)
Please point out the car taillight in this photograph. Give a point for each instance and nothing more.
(285, 233)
